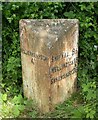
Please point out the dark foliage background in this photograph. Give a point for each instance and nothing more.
(83, 103)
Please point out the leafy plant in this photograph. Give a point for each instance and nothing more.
(13, 104)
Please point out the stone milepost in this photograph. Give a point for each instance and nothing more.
(49, 55)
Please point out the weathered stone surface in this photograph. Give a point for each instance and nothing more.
(49, 51)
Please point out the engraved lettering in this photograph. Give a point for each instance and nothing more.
(62, 66)
(65, 75)
(63, 55)
(56, 68)
(35, 55)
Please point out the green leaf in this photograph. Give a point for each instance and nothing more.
(77, 113)
(85, 87)
(69, 14)
(18, 99)
(16, 111)
(21, 107)
(33, 114)
(88, 115)
(4, 97)
(91, 94)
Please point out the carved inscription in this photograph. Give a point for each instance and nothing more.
(64, 55)
(34, 55)
(65, 75)
(56, 68)
(64, 65)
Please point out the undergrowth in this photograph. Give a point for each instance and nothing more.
(83, 103)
